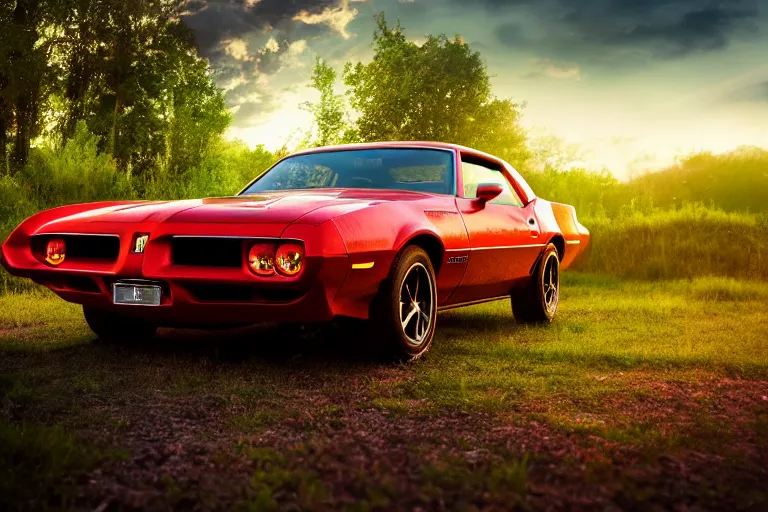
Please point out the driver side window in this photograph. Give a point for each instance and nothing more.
(473, 174)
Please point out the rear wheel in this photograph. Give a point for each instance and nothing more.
(114, 328)
(537, 302)
(404, 315)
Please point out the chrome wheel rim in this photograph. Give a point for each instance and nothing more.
(416, 304)
(551, 283)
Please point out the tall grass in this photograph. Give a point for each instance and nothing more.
(682, 243)
(735, 181)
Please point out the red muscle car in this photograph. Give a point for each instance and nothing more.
(388, 232)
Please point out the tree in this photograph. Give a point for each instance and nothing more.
(22, 73)
(147, 87)
(197, 112)
(497, 130)
(129, 70)
(437, 91)
(6, 112)
(329, 112)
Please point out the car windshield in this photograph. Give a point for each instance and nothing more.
(421, 170)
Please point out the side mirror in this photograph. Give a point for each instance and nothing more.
(488, 192)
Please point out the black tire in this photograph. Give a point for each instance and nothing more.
(113, 328)
(408, 296)
(537, 302)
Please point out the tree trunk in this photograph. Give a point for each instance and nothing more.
(27, 71)
(3, 140)
(80, 76)
(20, 153)
(113, 136)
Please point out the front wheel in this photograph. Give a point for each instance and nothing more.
(537, 302)
(114, 328)
(404, 315)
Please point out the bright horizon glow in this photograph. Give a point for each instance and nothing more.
(653, 146)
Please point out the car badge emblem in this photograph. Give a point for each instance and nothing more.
(458, 259)
(141, 243)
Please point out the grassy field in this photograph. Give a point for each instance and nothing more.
(640, 395)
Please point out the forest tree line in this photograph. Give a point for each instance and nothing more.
(129, 70)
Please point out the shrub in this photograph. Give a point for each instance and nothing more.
(223, 172)
(14, 207)
(76, 173)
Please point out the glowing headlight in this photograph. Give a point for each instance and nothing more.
(261, 259)
(56, 251)
(290, 259)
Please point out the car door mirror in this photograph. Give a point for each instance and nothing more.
(488, 192)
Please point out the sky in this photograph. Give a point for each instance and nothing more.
(631, 84)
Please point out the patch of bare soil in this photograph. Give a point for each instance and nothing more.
(185, 455)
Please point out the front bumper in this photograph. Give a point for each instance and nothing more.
(222, 304)
(196, 296)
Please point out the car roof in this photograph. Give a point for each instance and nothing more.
(397, 144)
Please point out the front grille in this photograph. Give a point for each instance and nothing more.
(239, 293)
(207, 252)
(74, 283)
(82, 247)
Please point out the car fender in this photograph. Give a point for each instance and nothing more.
(16, 245)
(558, 219)
(375, 235)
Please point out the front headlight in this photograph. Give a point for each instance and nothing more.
(56, 251)
(290, 259)
(261, 259)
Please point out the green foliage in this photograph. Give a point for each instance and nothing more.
(588, 191)
(438, 91)
(76, 173)
(198, 116)
(14, 204)
(692, 219)
(130, 70)
(497, 130)
(733, 182)
(329, 112)
(224, 171)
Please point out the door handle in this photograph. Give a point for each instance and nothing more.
(532, 224)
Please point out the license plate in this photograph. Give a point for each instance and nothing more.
(137, 294)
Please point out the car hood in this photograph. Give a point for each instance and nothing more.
(268, 208)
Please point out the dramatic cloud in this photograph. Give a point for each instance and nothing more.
(622, 28)
(236, 48)
(214, 21)
(254, 44)
(547, 68)
(335, 17)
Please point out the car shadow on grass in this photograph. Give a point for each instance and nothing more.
(477, 322)
(274, 344)
(349, 342)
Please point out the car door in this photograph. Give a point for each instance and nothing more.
(504, 235)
